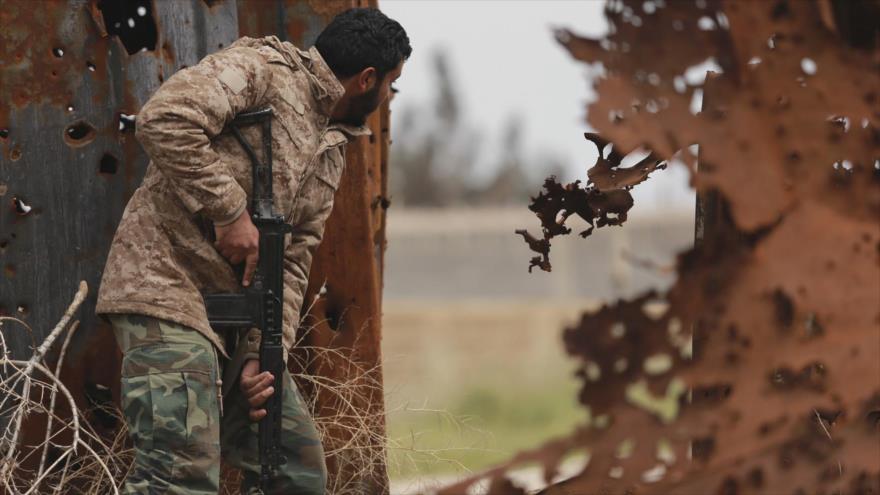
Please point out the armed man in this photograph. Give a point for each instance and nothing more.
(193, 393)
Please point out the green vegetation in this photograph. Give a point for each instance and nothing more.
(484, 425)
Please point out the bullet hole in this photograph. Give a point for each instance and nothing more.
(70, 108)
(334, 319)
(812, 326)
(654, 474)
(809, 66)
(827, 416)
(812, 376)
(15, 154)
(79, 133)
(702, 448)
(784, 308)
(126, 122)
(9, 270)
(23, 310)
(839, 122)
(845, 165)
(3, 245)
(696, 104)
(58, 52)
(20, 207)
(781, 10)
(90, 66)
(711, 394)
(679, 84)
(4, 133)
(109, 164)
(706, 23)
(119, 18)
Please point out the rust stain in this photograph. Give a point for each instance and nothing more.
(31, 45)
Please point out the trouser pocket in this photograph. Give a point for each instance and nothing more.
(169, 397)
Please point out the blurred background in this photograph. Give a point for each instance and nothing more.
(490, 105)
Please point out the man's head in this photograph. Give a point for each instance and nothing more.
(366, 51)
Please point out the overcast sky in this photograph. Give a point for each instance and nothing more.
(505, 62)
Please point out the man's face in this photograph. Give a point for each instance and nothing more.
(365, 103)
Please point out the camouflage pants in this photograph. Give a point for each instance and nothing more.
(170, 389)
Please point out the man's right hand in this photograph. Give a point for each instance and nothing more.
(239, 241)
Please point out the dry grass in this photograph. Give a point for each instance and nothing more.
(70, 453)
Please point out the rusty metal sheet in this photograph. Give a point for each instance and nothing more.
(73, 74)
(759, 370)
(68, 157)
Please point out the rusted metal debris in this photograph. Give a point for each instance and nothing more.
(605, 201)
(759, 370)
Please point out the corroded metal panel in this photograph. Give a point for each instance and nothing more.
(69, 91)
(73, 74)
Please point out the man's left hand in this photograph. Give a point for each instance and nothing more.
(256, 387)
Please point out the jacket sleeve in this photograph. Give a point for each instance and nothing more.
(316, 205)
(176, 126)
(297, 262)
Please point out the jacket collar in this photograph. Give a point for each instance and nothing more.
(326, 88)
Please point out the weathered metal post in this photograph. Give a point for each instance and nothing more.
(341, 334)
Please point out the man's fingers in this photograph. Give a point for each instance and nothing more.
(251, 384)
(260, 398)
(249, 268)
(257, 414)
(236, 258)
(257, 386)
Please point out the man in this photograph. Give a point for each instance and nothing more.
(197, 185)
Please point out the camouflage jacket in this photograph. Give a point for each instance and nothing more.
(160, 259)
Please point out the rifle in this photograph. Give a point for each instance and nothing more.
(261, 304)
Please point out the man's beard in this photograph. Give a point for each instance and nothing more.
(362, 106)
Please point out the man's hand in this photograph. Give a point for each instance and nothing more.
(256, 387)
(240, 241)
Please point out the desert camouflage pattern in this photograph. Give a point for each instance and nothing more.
(170, 399)
(161, 257)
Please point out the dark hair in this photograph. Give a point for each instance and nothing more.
(361, 38)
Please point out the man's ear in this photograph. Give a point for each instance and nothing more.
(367, 78)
